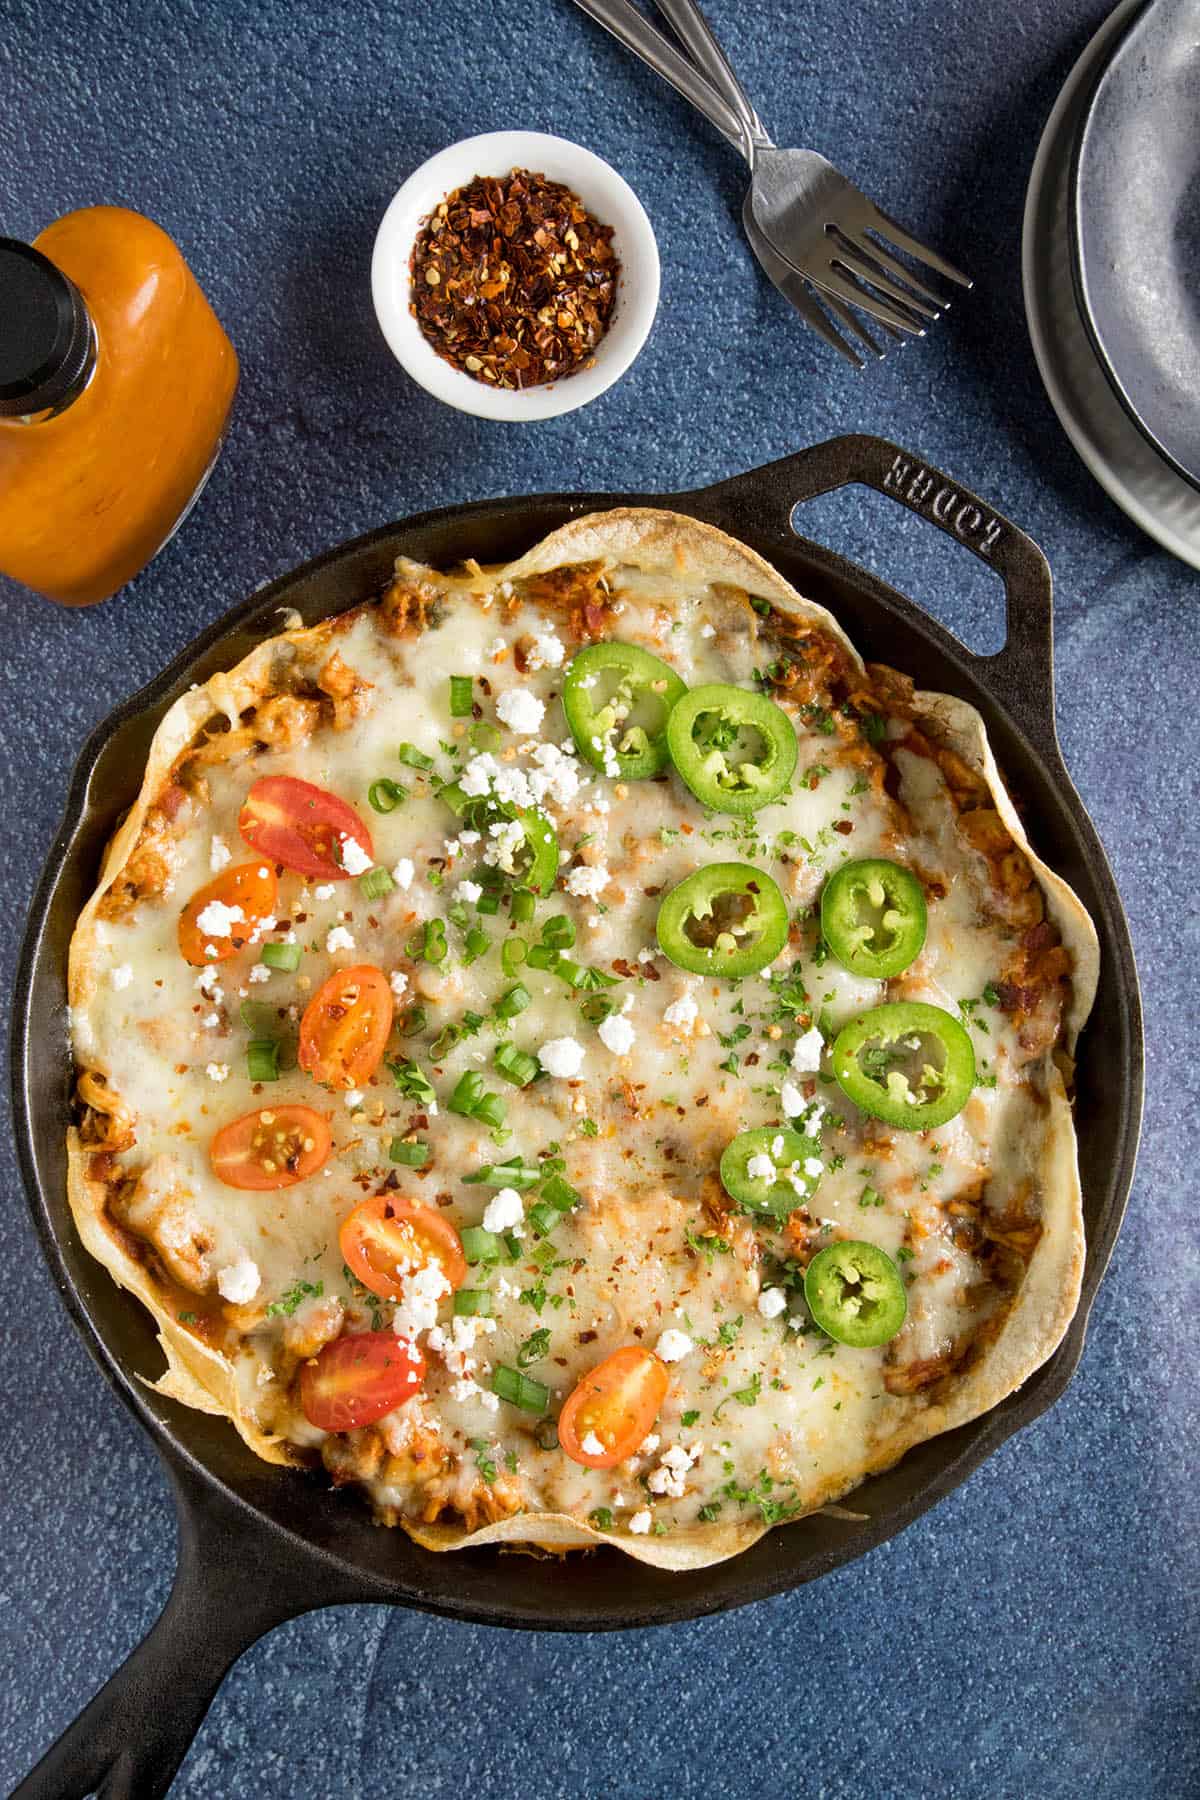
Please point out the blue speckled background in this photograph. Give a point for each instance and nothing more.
(1037, 1633)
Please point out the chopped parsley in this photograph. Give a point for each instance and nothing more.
(294, 1297)
(534, 1347)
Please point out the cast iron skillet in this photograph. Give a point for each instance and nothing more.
(259, 1545)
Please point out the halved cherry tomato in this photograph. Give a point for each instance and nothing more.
(356, 1380)
(301, 826)
(387, 1230)
(247, 893)
(271, 1147)
(345, 1027)
(616, 1403)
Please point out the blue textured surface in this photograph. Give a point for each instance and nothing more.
(1037, 1633)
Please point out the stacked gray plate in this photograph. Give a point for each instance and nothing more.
(1111, 265)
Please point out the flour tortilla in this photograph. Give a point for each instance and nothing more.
(652, 541)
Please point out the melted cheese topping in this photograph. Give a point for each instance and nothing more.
(763, 1411)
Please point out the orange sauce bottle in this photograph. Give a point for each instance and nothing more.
(116, 381)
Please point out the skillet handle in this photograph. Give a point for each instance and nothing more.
(232, 1584)
(1021, 675)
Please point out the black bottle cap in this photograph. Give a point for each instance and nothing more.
(45, 332)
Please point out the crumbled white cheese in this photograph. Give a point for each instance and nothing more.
(207, 981)
(548, 651)
(260, 972)
(504, 1210)
(217, 1071)
(403, 872)
(674, 1345)
(324, 892)
(338, 939)
(470, 891)
(556, 775)
(791, 1100)
(640, 1522)
(806, 1057)
(761, 1168)
(520, 710)
(354, 858)
(416, 1310)
(707, 630)
(239, 1282)
(771, 1302)
(591, 1445)
(498, 647)
(562, 1057)
(217, 920)
(122, 975)
(398, 982)
(507, 841)
(670, 1477)
(617, 1035)
(219, 854)
(587, 883)
(683, 1012)
(354, 1099)
(210, 1021)
(813, 1166)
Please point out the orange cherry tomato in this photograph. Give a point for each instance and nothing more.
(271, 1147)
(247, 894)
(616, 1403)
(345, 1027)
(356, 1380)
(387, 1233)
(301, 826)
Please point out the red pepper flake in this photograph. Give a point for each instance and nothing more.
(513, 280)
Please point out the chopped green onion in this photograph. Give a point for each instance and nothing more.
(461, 699)
(262, 1059)
(457, 914)
(560, 1194)
(467, 1094)
(480, 1246)
(259, 1019)
(505, 1174)
(541, 956)
(282, 956)
(513, 1246)
(412, 1020)
(601, 1517)
(430, 942)
(385, 795)
(488, 902)
(413, 1084)
(484, 735)
(595, 1010)
(544, 1219)
(414, 758)
(558, 932)
(534, 1348)
(413, 1156)
(455, 796)
(512, 954)
(571, 971)
(473, 1303)
(375, 884)
(520, 1390)
(476, 943)
(514, 1002)
(524, 903)
(491, 1111)
(516, 1065)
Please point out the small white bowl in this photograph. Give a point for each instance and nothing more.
(607, 197)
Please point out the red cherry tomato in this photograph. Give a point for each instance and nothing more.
(271, 1147)
(345, 1027)
(616, 1403)
(356, 1380)
(388, 1232)
(301, 826)
(248, 892)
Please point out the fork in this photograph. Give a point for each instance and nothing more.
(812, 220)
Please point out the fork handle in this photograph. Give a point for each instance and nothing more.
(628, 26)
(694, 32)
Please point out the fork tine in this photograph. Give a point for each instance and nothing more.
(846, 318)
(799, 295)
(885, 226)
(828, 280)
(868, 271)
(891, 265)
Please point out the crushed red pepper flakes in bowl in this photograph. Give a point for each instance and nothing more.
(513, 280)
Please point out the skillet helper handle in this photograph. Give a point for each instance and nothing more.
(1021, 674)
(231, 1586)
(629, 27)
